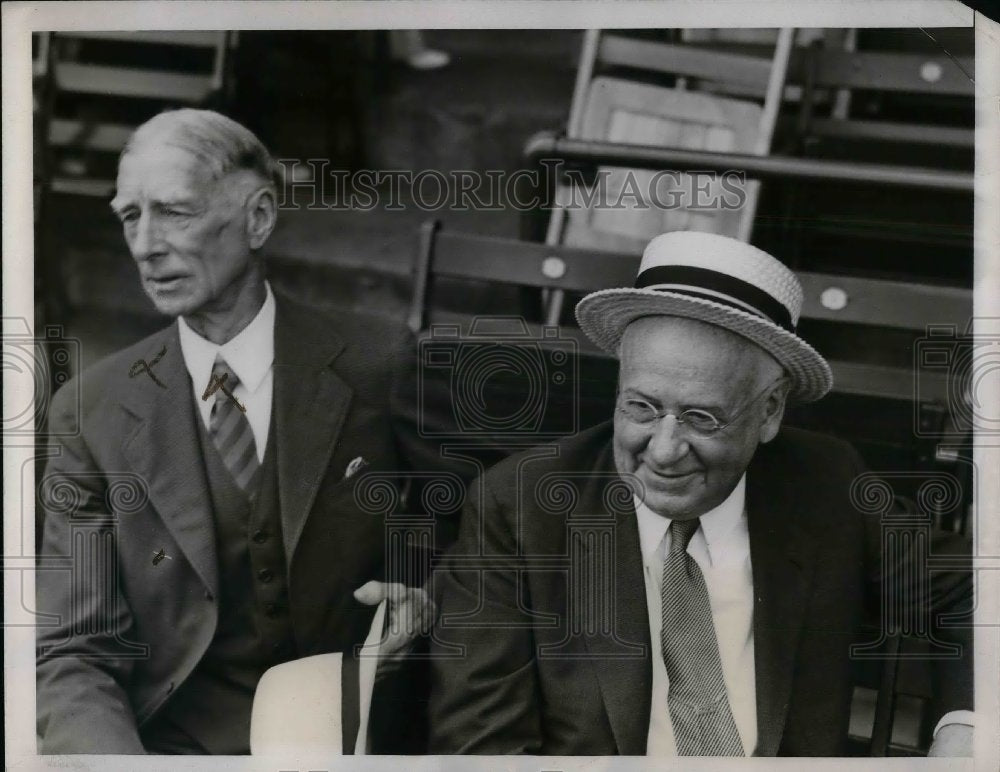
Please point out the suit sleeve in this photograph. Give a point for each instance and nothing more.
(897, 573)
(82, 675)
(484, 686)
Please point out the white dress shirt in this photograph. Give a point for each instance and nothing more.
(721, 548)
(250, 355)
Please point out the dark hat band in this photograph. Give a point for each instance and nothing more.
(733, 292)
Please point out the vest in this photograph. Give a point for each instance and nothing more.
(209, 713)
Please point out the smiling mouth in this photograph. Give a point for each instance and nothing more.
(672, 477)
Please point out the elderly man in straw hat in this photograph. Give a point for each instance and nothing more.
(688, 578)
(239, 430)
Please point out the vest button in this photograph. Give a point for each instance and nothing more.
(270, 609)
(259, 536)
(265, 575)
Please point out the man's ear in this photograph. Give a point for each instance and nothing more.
(262, 214)
(774, 410)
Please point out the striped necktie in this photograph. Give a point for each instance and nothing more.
(230, 430)
(699, 706)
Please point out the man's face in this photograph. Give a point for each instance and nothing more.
(186, 232)
(677, 364)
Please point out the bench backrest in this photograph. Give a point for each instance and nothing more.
(848, 300)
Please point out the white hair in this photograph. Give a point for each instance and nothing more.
(220, 143)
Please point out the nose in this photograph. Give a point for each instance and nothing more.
(144, 237)
(666, 445)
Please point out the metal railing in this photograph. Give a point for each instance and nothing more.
(548, 145)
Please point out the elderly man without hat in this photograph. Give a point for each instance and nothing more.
(241, 428)
(687, 578)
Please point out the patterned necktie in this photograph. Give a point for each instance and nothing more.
(230, 430)
(699, 707)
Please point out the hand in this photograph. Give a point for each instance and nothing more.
(952, 740)
(410, 613)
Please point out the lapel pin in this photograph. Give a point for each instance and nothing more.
(354, 466)
(158, 557)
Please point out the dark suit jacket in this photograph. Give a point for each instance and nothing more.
(131, 482)
(523, 667)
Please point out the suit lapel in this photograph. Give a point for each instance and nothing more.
(780, 554)
(310, 404)
(164, 450)
(622, 658)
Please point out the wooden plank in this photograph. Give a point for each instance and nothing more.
(887, 382)
(848, 377)
(686, 60)
(535, 331)
(83, 186)
(547, 145)
(864, 301)
(881, 71)
(899, 232)
(876, 302)
(890, 131)
(41, 43)
(883, 303)
(886, 700)
(119, 81)
(198, 39)
(421, 274)
(769, 117)
(791, 94)
(517, 262)
(106, 137)
(878, 71)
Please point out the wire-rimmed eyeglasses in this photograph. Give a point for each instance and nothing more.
(699, 422)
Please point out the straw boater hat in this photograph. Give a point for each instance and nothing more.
(721, 281)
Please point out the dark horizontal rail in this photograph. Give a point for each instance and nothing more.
(548, 145)
(870, 70)
(853, 378)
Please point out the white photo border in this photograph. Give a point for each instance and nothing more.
(21, 18)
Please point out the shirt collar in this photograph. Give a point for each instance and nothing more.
(716, 524)
(250, 354)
